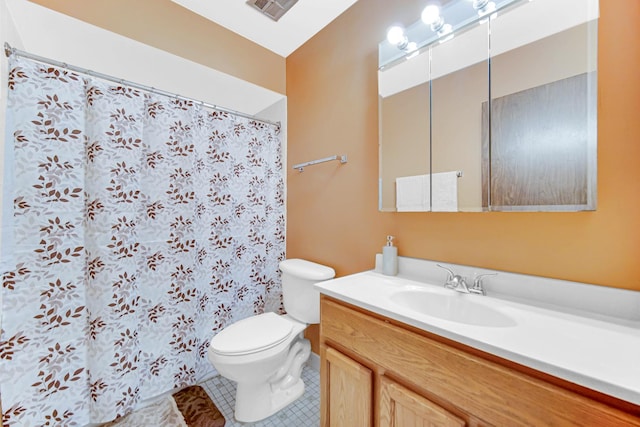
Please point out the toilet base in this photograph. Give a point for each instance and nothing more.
(255, 402)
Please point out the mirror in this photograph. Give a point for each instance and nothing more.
(501, 122)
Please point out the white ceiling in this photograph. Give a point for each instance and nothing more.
(298, 25)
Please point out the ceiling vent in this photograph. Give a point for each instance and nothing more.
(274, 9)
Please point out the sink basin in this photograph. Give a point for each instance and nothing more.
(454, 307)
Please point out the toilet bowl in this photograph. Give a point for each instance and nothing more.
(265, 353)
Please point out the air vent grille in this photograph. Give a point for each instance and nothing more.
(274, 9)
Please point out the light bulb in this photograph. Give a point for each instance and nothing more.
(395, 35)
(430, 14)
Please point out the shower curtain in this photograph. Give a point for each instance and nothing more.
(141, 225)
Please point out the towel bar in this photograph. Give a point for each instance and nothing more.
(301, 166)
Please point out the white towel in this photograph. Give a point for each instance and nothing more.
(412, 193)
(445, 192)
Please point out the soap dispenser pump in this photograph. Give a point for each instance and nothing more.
(390, 258)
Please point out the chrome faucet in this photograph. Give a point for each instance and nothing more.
(459, 283)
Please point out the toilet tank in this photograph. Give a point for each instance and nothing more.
(301, 300)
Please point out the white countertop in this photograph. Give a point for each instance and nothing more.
(586, 350)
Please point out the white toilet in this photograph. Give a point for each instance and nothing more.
(264, 354)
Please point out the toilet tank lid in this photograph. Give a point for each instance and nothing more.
(306, 269)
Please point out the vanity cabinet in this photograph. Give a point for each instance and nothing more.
(377, 371)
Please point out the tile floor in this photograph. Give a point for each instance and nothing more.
(304, 412)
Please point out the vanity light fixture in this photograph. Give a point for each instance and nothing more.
(439, 22)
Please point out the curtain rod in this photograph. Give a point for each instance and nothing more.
(8, 50)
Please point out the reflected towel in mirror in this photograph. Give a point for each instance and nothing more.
(445, 192)
(413, 193)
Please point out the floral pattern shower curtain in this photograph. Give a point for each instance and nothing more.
(142, 225)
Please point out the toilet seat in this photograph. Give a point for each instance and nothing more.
(252, 335)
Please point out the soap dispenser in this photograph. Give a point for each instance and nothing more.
(389, 258)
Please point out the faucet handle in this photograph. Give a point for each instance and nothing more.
(477, 287)
(451, 273)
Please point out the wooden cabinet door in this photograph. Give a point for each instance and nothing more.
(401, 407)
(348, 391)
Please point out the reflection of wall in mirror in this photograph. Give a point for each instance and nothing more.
(553, 58)
(404, 139)
(457, 128)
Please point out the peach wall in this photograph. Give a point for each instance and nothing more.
(332, 209)
(168, 26)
